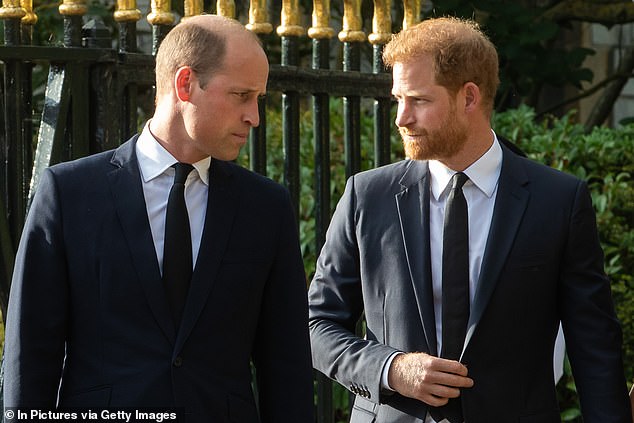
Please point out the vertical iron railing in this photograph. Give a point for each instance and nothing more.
(290, 31)
(321, 33)
(352, 36)
(94, 92)
(258, 24)
(127, 15)
(381, 33)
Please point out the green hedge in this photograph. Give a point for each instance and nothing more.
(605, 158)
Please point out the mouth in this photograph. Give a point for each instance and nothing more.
(407, 134)
(411, 136)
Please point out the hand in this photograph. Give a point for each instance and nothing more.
(427, 378)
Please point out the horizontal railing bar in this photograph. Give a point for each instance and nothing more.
(335, 83)
(282, 78)
(73, 54)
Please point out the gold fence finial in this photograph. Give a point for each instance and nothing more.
(11, 9)
(290, 26)
(73, 8)
(381, 22)
(321, 20)
(127, 11)
(259, 18)
(226, 8)
(411, 15)
(161, 13)
(30, 18)
(351, 31)
(192, 8)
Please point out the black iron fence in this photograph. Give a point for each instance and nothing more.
(93, 98)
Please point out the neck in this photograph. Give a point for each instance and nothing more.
(168, 129)
(478, 143)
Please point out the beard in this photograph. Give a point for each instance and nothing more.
(438, 144)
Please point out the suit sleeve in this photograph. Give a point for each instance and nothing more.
(336, 305)
(282, 351)
(593, 334)
(36, 323)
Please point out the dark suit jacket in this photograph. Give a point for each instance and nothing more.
(87, 305)
(542, 263)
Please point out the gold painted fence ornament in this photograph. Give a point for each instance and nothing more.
(259, 18)
(161, 13)
(73, 8)
(352, 24)
(290, 26)
(381, 22)
(321, 20)
(127, 11)
(226, 8)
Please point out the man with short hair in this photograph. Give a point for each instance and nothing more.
(117, 304)
(463, 259)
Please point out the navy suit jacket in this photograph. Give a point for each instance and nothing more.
(87, 306)
(542, 264)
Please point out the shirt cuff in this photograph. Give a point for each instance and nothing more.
(386, 370)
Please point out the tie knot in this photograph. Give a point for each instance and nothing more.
(458, 180)
(182, 171)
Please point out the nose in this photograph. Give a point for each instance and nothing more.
(252, 113)
(403, 115)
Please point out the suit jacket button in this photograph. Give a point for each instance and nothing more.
(178, 361)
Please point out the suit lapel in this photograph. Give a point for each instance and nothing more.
(222, 203)
(413, 209)
(127, 192)
(510, 205)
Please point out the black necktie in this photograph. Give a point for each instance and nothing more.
(455, 286)
(177, 250)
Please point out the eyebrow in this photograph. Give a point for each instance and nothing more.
(244, 89)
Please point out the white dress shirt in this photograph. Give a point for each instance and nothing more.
(157, 177)
(480, 192)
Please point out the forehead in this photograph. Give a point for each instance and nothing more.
(413, 74)
(244, 68)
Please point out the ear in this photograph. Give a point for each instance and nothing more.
(183, 82)
(472, 96)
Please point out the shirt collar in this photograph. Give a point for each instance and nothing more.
(154, 159)
(483, 173)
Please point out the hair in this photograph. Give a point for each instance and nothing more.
(199, 42)
(459, 50)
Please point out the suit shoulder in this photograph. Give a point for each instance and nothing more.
(81, 165)
(391, 172)
(539, 178)
(254, 182)
(539, 170)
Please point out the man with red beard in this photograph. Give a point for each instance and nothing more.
(463, 260)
